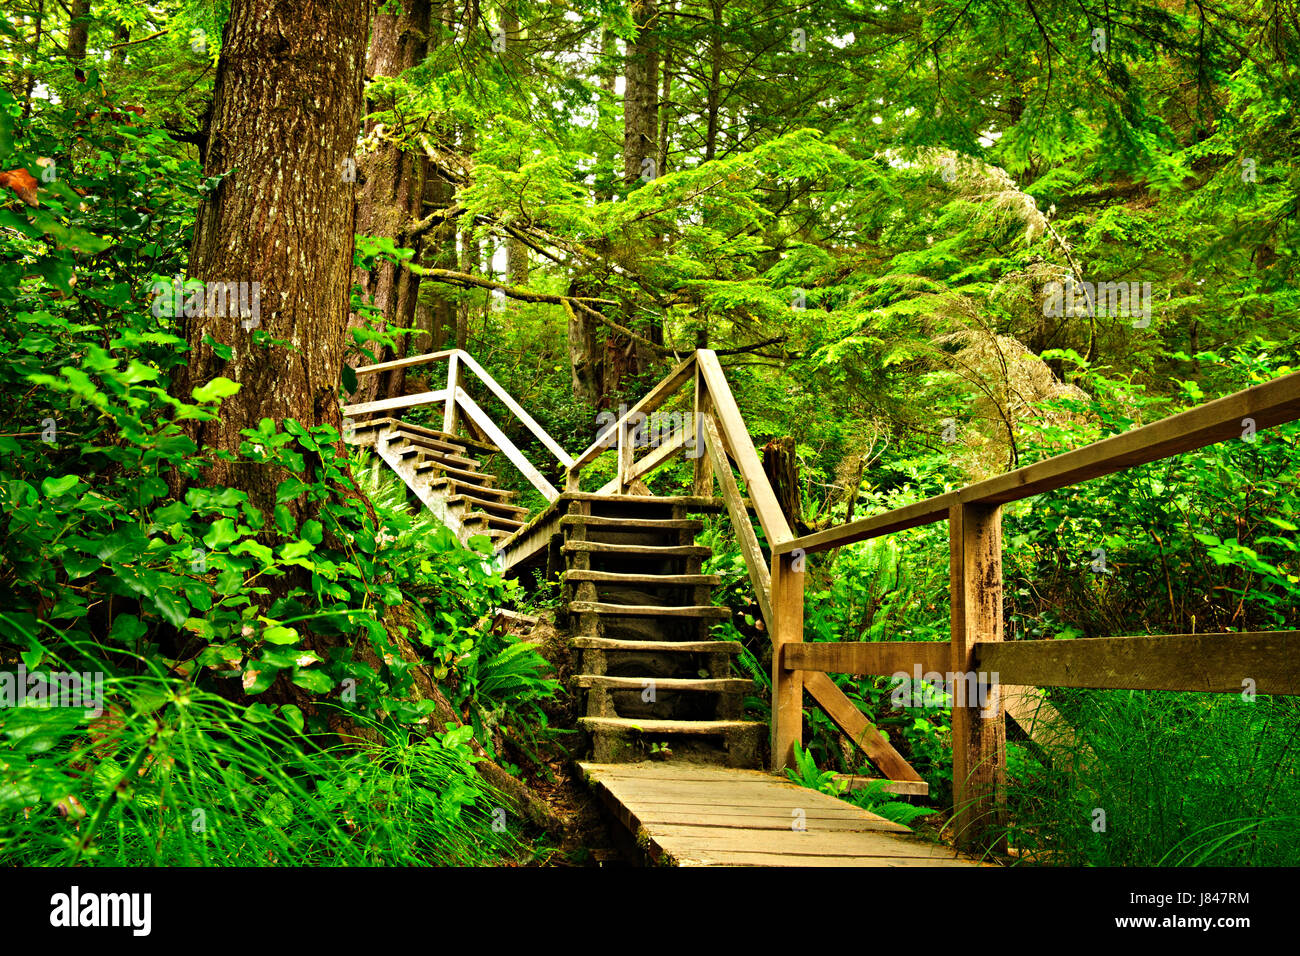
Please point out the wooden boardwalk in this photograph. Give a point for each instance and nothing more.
(688, 815)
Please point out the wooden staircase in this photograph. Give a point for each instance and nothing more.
(448, 480)
(639, 611)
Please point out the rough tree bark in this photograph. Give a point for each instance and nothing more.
(715, 80)
(390, 197)
(78, 31)
(641, 92)
(781, 465)
(285, 115)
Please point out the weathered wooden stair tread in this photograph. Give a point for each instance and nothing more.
(440, 463)
(468, 473)
(689, 815)
(655, 726)
(663, 580)
(665, 524)
(486, 504)
(702, 684)
(454, 442)
(649, 610)
(687, 501)
(457, 486)
(494, 521)
(689, 647)
(646, 550)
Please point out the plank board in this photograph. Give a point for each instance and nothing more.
(729, 420)
(692, 815)
(402, 401)
(1224, 663)
(883, 658)
(406, 362)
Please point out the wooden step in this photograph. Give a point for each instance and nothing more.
(690, 502)
(454, 487)
(724, 685)
(458, 452)
(648, 610)
(651, 726)
(407, 444)
(468, 475)
(486, 504)
(612, 737)
(363, 429)
(509, 525)
(684, 647)
(666, 524)
(428, 467)
(660, 580)
(463, 442)
(643, 550)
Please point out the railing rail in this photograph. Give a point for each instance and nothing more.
(1265, 662)
(455, 401)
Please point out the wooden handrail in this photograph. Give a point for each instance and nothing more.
(732, 426)
(1265, 662)
(759, 576)
(652, 401)
(455, 400)
(406, 362)
(402, 401)
(1264, 405)
(457, 357)
(538, 431)
(499, 438)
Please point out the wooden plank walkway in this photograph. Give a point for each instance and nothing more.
(691, 815)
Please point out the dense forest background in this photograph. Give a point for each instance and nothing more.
(869, 210)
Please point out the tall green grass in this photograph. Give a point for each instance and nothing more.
(174, 776)
(1183, 780)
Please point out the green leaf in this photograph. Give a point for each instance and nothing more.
(172, 606)
(259, 713)
(215, 390)
(221, 535)
(280, 635)
(57, 487)
(316, 681)
(293, 715)
(290, 488)
(79, 565)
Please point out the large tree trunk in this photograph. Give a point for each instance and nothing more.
(437, 313)
(715, 81)
(78, 31)
(391, 197)
(641, 93)
(285, 114)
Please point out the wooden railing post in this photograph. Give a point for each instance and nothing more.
(978, 728)
(449, 416)
(624, 457)
(787, 685)
(702, 484)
